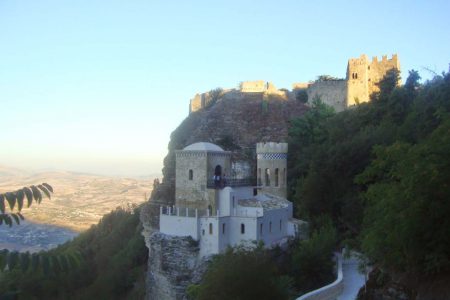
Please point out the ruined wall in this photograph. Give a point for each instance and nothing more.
(331, 92)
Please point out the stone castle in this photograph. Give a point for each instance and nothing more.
(361, 81)
(219, 210)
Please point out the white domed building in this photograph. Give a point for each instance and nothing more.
(220, 211)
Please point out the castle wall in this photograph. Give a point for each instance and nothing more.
(196, 103)
(258, 86)
(331, 92)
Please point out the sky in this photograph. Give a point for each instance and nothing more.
(98, 86)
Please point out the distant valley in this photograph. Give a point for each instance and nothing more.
(79, 200)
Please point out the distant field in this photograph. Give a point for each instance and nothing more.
(79, 200)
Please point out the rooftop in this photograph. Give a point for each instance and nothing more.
(203, 146)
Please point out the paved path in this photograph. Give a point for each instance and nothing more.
(353, 280)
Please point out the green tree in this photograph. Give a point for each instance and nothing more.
(242, 273)
(406, 224)
(312, 260)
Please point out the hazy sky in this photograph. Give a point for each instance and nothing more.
(98, 86)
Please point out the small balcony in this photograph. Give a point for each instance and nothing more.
(231, 182)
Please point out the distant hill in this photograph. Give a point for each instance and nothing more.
(79, 200)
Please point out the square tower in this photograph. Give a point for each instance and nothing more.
(272, 168)
(196, 166)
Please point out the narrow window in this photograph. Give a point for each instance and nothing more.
(356, 75)
(210, 228)
(267, 177)
(276, 177)
(270, 227)
(242, 228)
(191, 174)
(280, 225)
(233, 201)
(261, 228)
(223, 228)
(203, 231)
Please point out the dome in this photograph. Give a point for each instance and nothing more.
(203, 146)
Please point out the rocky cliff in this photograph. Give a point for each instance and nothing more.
(236, 124)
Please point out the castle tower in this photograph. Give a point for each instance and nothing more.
(196, 165)
(357, 80)
(272, 168)
(363, 76)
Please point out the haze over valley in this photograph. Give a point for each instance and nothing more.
(79, 200)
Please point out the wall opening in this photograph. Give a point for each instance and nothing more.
(210, 228)
(276, 177)
(267, 175)
(223, 228)
(242, 228)
(191, 174)
(280, 225)
(261, 229)
(270, 227)
(218, 170)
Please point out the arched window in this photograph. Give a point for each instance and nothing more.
(191, 174)
(356, 75)
(242, 228)
(267, 174)
(280, 224)
(223, 228)
(270, 227)
(210, 228)
(276, 177)
(209, 209)
(261, 228)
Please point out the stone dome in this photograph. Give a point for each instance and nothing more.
(203, 146)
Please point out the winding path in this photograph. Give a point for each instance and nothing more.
(353, 280)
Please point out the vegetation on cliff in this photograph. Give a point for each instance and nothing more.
(381, 172)
(259, 273)
(112, 265)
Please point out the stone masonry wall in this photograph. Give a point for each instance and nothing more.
(331, 92)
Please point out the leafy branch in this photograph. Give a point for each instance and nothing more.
(17, 199)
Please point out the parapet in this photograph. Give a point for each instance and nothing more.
(271, 147)
(384, 59)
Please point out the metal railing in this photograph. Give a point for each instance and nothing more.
(231, 182)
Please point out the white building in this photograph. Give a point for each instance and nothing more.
(220, 213)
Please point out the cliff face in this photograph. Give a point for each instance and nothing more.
(235, 123)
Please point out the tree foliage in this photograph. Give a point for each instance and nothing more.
(107, 261)
(16, 200)
(395, 210)
(242, 273)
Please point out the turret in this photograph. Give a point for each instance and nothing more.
(272, 168)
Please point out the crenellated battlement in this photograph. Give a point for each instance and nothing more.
(362, 78)
(271, 147)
